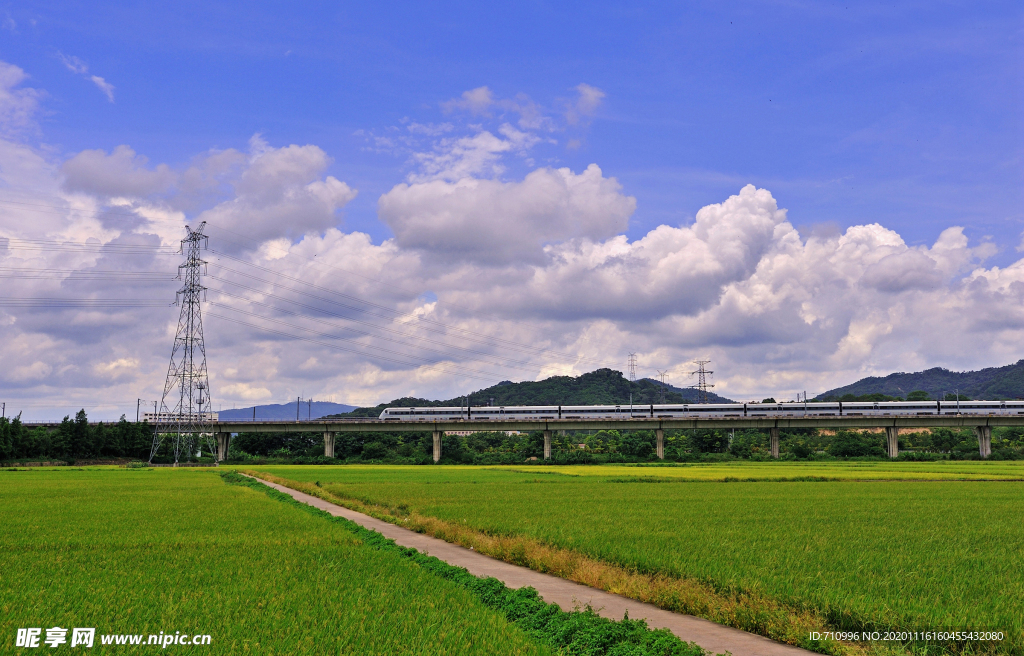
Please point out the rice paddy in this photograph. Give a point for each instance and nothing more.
(907, 546)
(852, 546)
(151, 551)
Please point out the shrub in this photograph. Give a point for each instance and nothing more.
(801, 451)
(847, 444)
(374, 451)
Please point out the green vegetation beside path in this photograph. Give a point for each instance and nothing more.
(144, 551)
(918, 555)
(149, 551)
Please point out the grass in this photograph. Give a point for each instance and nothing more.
(929, 554)
(782, 471)
(144, 551)
(579, 632)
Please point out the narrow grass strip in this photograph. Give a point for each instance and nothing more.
(744, 610)
(579, 632)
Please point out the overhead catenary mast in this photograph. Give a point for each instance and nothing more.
(188, 386)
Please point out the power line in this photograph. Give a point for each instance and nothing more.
(395, 314)
(337, 347)
(68, 246)
(45, 302)
(399, 288)
(54, 273)
(17, 243)
(81, 274)
(64, 211)
(32, 244)
(339, 337)
(366, 333)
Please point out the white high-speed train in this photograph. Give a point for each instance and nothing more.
(697, 410)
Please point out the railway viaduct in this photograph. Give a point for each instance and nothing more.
(982, 425)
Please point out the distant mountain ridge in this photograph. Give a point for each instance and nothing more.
(306, 410)
(600, 387)
(993, 383)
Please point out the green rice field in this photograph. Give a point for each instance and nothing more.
(144, 551)
(773, 471)
(890, 546)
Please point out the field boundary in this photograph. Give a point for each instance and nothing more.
(747, 612)
(577, 631)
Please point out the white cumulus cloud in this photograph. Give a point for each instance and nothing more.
(485, 279)
(18, 105)
(492, 222)
(120, 173)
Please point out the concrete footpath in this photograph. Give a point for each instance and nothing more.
(713, 637)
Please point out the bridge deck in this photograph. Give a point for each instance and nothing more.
(727, 423)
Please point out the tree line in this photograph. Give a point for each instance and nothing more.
(620, 446)
(74, 439)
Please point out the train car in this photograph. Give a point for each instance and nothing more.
(885, 408)
(913, 408)
(497, 413)
(482, 413)
(422, 413)
(708, 410)
(763, 409)
(668, 411)
(625, 411)
(697, 410)
(823, 409)
(979, 407)
(803, 409)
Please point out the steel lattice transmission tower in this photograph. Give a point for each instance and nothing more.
(187, 388)
(702, 382)
(632, 367)
(662, 374)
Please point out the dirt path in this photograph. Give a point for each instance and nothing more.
(712, 637)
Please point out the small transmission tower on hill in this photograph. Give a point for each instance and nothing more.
(662, 374)
(187, 387)
(632, 367)
(702, 382)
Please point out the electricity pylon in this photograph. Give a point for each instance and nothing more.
(188, 386)
(662, 374)
(702, 383)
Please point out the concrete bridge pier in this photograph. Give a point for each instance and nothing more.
(328, 444)
(437, 445)
(892, 441)
(984, 434)
(773, 434)
(223, 441)
(547, 445)
(660, 435)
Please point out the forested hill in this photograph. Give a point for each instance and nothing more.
(600, 387)
(994, 383)
(292, 410)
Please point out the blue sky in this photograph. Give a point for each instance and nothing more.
(908, 115)
(804, 192)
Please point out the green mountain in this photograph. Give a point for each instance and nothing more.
(993, 384)
(601, 387)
